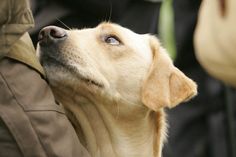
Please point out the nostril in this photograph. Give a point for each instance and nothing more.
(57, 33)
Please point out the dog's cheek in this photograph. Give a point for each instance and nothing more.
(131, 73)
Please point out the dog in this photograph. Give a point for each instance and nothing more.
(114, 85)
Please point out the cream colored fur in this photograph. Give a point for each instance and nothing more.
(115, 94)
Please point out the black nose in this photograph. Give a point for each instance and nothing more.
(51, 34)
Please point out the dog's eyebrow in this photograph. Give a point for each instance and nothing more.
(108, 28)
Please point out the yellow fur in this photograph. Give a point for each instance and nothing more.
(115, 94)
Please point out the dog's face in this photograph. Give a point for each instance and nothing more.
(113, 60)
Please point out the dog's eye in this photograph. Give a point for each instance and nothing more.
(113, 40)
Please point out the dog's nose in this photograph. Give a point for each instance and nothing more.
(51, 34)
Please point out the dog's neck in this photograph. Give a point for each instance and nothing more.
(111, 129)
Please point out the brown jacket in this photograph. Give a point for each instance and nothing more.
(32, 124)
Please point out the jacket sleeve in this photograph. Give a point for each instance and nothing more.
(37, 124)
(31, 122)
(215, 39)
(15, 19)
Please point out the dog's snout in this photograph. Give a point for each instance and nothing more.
(51, 34)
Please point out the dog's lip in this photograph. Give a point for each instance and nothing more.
(90, 81)
(73, 71)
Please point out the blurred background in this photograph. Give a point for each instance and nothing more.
(203, 127)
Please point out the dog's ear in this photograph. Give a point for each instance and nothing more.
(165, 85)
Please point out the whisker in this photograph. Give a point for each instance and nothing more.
(110, 13)
(63, 24)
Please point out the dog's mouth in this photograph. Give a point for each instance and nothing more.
(49, 61)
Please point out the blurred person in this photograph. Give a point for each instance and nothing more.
(197, 127)
(214, 42)
(215, 38)
(31, 122)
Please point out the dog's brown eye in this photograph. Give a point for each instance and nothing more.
(113, 40)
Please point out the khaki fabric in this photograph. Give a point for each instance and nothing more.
(32, 124)
(15, 19)
(215, 39)
(23, 50)
(8, 143)
(28, 109)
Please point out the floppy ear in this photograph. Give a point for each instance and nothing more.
(165, 85)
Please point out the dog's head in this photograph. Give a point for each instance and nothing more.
(114, 60)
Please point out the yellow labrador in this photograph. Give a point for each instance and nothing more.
(115, 85)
